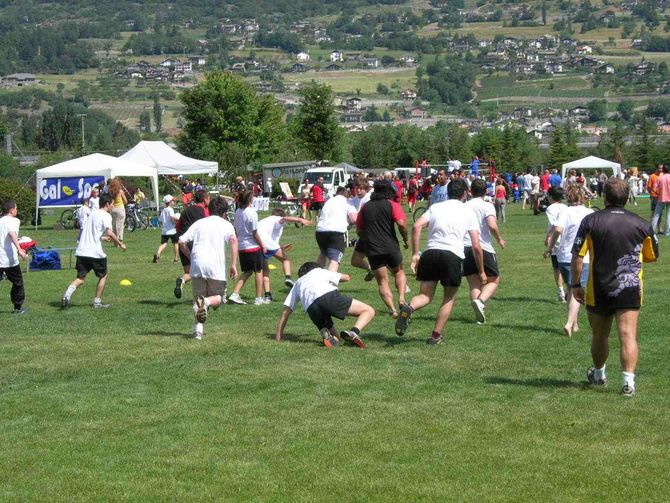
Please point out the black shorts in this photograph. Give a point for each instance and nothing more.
(169, 237)
(316, 206)
(554, 262)
(360, 246)
(331, 244)
(328, 305)
(490, 263)
(86, 264)
(440, 265)
(606, 312)
(185, 261)
(252, 261)
(390, 260)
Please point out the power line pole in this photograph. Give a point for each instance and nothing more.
(83, 136)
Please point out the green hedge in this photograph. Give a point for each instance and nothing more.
(23, 195)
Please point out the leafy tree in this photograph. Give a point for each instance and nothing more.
(597, 110)
(145, 121)
(382, 89)
(223, 115)
(625, 109)
(315, 124)
(644, 147)
(371, 115)
(544, 13)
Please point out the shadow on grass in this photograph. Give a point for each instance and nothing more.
(164, 333)
(535, 383)
(154, 302)
(298, 338)
(526, 299)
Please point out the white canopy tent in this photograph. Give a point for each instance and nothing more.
(167, 160)
(96, 165)
(591, 162)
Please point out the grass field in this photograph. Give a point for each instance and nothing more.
(349, 81)
(563, 87)
(121, 404)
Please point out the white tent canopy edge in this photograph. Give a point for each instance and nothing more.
(591, 162)
(167, 160)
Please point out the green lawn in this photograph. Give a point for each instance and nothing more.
(120, 404)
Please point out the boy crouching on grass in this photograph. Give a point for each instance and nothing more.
(316, 288)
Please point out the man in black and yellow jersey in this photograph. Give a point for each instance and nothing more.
(618, 241)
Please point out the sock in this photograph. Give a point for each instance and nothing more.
(97, 300)
(288, 276)
(436, 335)
(355, 330)
(561, 290)
(268, 295)
(629, 379)
(198, 327)
(70, 290)
(206, 301)
(599, 373)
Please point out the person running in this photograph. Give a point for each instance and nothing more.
(375, 225)
(316, 289)
(168, 221)
(566, 229)
(501, 200)
(618, 241)
(331, 230)
(363, 194)
(442, 261)
(554, 211)
(305, 200)
(318, 196)
(251, 249)
(485, 214)
(90, 254)
(188, 217)
(440, 191)
(208, 238)
(270, 229)
(10, 252)
(412, 192)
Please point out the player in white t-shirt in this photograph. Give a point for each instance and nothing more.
(89, 252)
(363, 194)
(485, 214)
(316, 289)
(82, 213)
(208, 238)
(566, 229)
(554, 210)
(448, 222)
(271, 229)
(331, 229)
(10, 251)
(168, 220)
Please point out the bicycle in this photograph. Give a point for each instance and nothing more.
(292, 208)
(136, 218)
(418, 212)
(68, 219)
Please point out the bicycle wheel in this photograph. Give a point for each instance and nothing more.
(67, 219)
(131, 223)
(418, 212)
(144, 219)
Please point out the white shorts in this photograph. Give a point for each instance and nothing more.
(208, 287)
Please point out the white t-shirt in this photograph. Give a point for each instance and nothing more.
(89, 238)
(448, 223)
(209, 236)
(94, 203)
(82, 214)
(554, 211)
(482, 211)
(270, 230)
(9, 256)
(246, 222)
(527, 181)
(334, 216)
(358, 202)
(168, 226)
(569, 221)
(311, 286)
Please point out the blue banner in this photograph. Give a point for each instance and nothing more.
(67, 191)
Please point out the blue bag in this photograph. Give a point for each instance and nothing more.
(45, 260)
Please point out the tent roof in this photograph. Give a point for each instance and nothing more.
(167, 160)
(592, 162)
(96, 164)
(348, 168)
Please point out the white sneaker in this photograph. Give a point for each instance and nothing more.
(259, 301)
(407, 289)
(235, 299)
(478, 307)
(197, 331)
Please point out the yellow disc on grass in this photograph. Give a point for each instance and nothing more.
(125, 282)
(272, 266)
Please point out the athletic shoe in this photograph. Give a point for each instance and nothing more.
(236, 299)
(352, 338)
(328, 340)
(65, 303)
(20, 310)
(197, 333)
(200, 309)
(156, 259)
(403, 320)
(431, 341)
(179, 287)
(590, 377)
(627, 390)
(288, 282)
(562, 298)
(268, 298)
(478, 307)
(100, 305)
(407, 289)
(369, 276)
(259, 301)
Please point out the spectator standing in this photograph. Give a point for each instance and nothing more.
(119, 207)
(10, 251)
(554, 211)
(662, 188)
(440, 191)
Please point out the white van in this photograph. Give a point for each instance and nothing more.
(332, 178)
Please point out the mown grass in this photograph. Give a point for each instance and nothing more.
(121, 404)
(351, 81)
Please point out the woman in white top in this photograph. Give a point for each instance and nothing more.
(566, 229)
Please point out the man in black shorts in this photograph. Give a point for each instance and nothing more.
(617, 241)
(316, 289)
(448, 222)
(188, 217)
(331, 229)
(90, 254)
(375, 226)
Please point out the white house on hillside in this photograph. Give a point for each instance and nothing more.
(302, 57)
(336, 56)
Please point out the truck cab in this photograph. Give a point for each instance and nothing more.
(332, 178)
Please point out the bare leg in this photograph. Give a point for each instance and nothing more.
(240, 282)
(333, 265)
(382, 277)
(258, 280)
(176, 252)
(160, 249)
(626, 320)
(266, 279)
(573, 314)
(600, 348)
(101, 287)
(425, 297)
(363, 313)
(400, 283)
(445, 309)
(489, 288)
(321, 260)
(558, 279)
(358, 260)
(475, 286)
